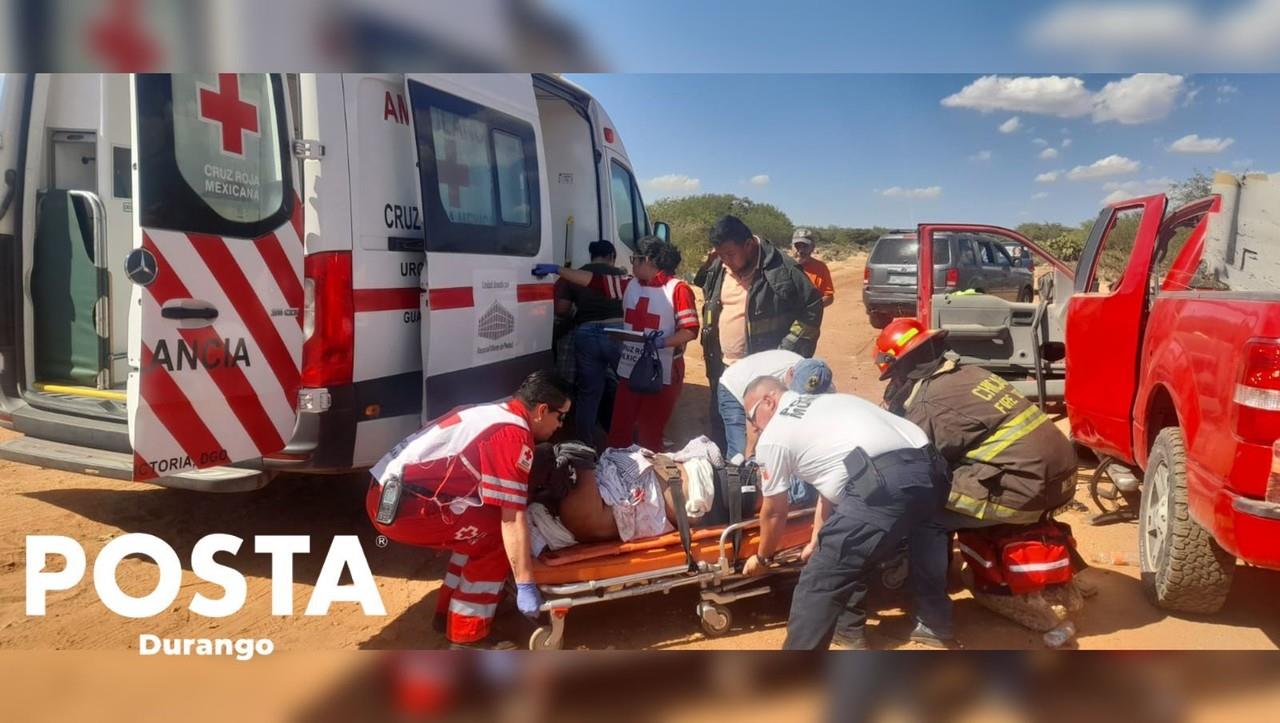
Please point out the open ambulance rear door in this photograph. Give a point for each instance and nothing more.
(482, 192)
(216, 323)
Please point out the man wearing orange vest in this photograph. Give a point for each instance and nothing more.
(462, 484)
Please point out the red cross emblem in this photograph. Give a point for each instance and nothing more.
(454, 175)
(639, 318)
(224, 107)
(119, 38)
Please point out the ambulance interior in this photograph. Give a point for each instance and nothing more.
(77, 232)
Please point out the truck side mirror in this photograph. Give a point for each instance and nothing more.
(662, 230)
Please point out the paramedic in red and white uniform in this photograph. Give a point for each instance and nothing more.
(653, 299)
(464, 488)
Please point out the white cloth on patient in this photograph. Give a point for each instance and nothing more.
(548, 530)
(702, 486)
(700, 447)
(629, 485)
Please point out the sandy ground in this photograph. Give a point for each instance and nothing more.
(35, 501)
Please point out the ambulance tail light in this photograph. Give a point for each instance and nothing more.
(1257, 392)
(953, 278)
(328, 320)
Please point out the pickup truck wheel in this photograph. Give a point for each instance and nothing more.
(1025, 295)
(1183, 568)
(879, 319)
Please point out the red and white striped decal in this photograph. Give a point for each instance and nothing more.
(223, 408)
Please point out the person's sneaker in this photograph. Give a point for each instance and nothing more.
(924, 636)
(852, 639)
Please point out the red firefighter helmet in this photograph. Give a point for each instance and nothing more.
(899, 338)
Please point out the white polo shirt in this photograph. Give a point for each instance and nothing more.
(811, 435)
(772, 363)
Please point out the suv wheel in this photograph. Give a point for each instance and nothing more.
(879, 319)
(1025, 295)
(1183, 568)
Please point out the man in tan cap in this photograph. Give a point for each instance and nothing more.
(803, 241)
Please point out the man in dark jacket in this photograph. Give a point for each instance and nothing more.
(1009, 463)
(755, 298)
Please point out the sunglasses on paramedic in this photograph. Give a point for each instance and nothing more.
(751, 415)
(636, 260)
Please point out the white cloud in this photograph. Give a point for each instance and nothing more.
(1242, 163)
(1039, 195)
(1112, 165)
(899, 192)
(1137, 99)
(1049, 154)
(1066, 142)
(1123, 191)
(1225, 92)
(1190, 96)
(1128, 33)
(1048, 177)
(981, 156)
(1011, 125)
(1051, 95)
(760, 180)
(1040, 141)
(1195, 144)
(673, 184)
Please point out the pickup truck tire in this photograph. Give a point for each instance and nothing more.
(1025, 295)
(879, 319)
(1183, 568)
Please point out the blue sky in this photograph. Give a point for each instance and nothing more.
(752, 36)
(835, 146)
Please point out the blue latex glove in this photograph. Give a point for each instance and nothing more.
(541, 270)
(528, 599)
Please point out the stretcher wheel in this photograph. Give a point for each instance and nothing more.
(544, 638)
(893, 575)
(716, 619)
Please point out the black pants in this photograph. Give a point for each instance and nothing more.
(893, 497)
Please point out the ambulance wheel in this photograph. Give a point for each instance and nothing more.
(1183, 567)
(544, 638)
(716, 619)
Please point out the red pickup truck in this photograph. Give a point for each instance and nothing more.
(1165, 344)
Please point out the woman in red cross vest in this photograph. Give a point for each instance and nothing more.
(652, 300)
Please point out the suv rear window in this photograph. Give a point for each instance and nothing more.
(903, 250)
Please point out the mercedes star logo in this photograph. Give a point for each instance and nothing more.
(140, 266)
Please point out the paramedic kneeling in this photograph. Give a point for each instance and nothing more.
(880, 481)
(465, 485)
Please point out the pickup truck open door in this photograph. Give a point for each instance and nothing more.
(1007, 337)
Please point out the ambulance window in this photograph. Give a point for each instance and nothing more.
(121, 179)
(624, 205)
(479, 175)
(513, 192)
(212, 156)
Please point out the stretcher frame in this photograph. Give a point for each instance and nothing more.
(721, 583)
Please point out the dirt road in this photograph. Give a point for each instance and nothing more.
(92, 510)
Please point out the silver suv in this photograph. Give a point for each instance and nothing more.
(960, 262)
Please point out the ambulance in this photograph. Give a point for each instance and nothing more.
(206, 280)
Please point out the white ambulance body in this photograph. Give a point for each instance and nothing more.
(206, 279)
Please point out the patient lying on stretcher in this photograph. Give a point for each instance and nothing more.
(625, 494)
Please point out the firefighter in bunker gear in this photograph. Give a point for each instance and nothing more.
(464, 486)
(1010, 464)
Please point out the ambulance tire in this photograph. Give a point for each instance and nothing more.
(716, 619)
(1183, 567)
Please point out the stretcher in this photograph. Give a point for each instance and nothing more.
(594, 573)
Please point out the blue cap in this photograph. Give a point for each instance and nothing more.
(811, 376)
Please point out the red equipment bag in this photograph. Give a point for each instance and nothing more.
(1018, 559)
